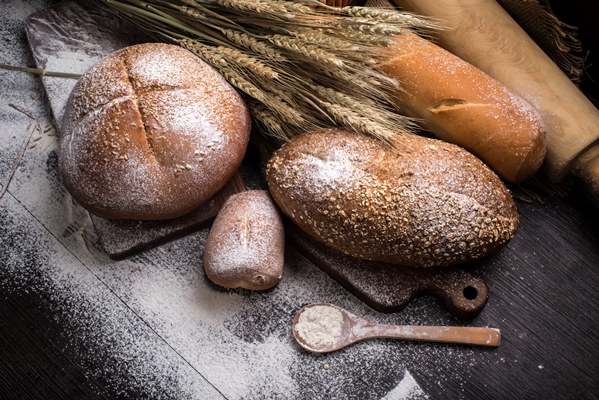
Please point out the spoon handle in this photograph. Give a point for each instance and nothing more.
(490, 337)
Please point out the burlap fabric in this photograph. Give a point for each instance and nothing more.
(556, 38)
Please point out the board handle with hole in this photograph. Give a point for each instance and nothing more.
(464, 294)
(390, 288)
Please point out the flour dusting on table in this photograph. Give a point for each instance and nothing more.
(407, 389)
(153, 326)
(59, 89)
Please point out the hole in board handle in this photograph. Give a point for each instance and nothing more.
(470, 292)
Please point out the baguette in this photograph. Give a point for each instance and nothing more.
(422, 203)
(461, 104)
(484, 34)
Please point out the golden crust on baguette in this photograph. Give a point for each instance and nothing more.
(461, 104)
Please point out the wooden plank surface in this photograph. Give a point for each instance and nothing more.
(75, 324)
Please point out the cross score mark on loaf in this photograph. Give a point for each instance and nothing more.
(164, 128)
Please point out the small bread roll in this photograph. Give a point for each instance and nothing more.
(246, 245)
(151, 132)
(430, 203)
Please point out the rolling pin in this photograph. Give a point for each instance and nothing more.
(484, 34)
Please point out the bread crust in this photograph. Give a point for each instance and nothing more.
(430, 204)
(246, 244)
(463, 105)
(151, 132)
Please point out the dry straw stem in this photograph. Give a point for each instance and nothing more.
(301, 65)
(250, 43)
(39, 71)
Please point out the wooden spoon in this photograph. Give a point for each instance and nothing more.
(349, 328)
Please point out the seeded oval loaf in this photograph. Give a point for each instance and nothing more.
(246, 244)
(429, 204)
(151, 132)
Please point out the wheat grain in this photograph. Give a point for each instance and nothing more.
(369, 27)
(302, 48)
(269, 121)
(299, 65)
(259, 47)
(350, 50)
(362, 107)
(243, 60)
(390, 16)
(192, 12)
(281, 8)
(356, 122)
(216, 58)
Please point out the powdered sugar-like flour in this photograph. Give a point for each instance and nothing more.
(320, 325)
(407, 389)
(153, 326)
(65, 61)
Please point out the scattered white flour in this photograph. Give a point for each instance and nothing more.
(407, 389)
(59, 89)
(153, 326)
(320, 325)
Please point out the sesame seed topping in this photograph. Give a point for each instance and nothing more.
(424, 210)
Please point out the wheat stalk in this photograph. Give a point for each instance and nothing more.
(301, 65)
(254, 45)
(386, 15)
(39, 71)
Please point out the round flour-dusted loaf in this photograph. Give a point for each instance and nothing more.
(151, 132)
(246, 244)
(423, 203)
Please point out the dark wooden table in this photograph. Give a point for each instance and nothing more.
(76, 325)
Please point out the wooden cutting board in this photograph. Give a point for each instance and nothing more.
(73, 35)
(390, 288)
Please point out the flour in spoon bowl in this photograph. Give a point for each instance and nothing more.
(320, 325)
